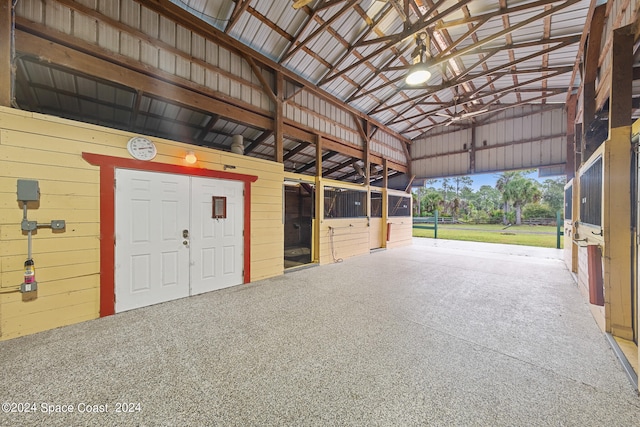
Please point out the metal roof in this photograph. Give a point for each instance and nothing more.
(486, 55)
(489, 53)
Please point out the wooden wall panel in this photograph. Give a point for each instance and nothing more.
(401, 232)
(375, 233)
(350, 238)
(49, 149)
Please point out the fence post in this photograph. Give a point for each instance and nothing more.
(435, 225)
(558, 232)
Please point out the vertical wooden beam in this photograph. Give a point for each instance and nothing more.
(570, 167)
(591, 57)
(319, 201)
(621, 85)
(365, 153)
(617, 191)
(472, 150)
(319, 156)
(385, 174)
(579, 145)
(278, 119)
(5, 52)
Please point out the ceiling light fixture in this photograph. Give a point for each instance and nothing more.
(419, 72)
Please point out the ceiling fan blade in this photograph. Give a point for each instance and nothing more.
(473, 113)
(297, 4)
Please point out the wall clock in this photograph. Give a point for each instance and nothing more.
(141, 148)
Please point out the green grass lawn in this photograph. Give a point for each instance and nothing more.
(526, 235)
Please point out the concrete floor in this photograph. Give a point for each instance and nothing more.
(440, 333)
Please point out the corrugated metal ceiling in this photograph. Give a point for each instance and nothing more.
(487, 55)
(359, 51)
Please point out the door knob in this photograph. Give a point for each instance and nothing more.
(185, 242)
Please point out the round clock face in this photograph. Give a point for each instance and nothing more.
(141, 148)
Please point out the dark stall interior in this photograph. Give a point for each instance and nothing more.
(298, 213)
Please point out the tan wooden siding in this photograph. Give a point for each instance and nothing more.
(350, 238)
(583, 284)
(375, 233)
(401, 229)
(49, 149)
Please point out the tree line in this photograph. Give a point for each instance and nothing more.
(514, 197)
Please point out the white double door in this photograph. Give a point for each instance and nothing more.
(168, 246)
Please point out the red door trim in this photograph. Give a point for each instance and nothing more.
(108, 165)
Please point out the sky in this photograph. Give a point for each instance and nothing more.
(490, 179)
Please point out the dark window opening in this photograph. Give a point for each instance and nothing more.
(591, 194)
(344, 203)
(376, 205)
(399, 206)
(568, 202)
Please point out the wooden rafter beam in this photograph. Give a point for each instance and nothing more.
(240, 7)
(502, 107)
(421, 25)
(472, 47)
(500, 12)
(506, 23)
(297, 44)
(296, 150)
(464, 77)
(259, 140)
(431, 91)
(265, 84)
(174, 12)
(497, 97)
(370, 27)
(325, 156)
(479, 75)
(96, 64)
(203, 133)
(338, 167)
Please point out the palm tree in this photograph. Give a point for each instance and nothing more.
(501, 184)
(520, 191)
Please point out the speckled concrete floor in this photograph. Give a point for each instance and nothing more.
(440, 333)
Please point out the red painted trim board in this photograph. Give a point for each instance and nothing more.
(108, 165)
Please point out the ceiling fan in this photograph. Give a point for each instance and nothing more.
(298, 4)
(461, 115)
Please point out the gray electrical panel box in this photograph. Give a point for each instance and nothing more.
(28, 190)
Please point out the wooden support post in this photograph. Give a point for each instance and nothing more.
(5, 52)
(570, 166)
(319, 200)
(472, 150)
(579, 146)
(591, 58)
(278, 119)
(385, 174)
(617, 191)
(319, 156)
(366, 156)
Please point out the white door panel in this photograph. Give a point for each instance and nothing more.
(216, 244)
(154, 262)
(152, 209)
